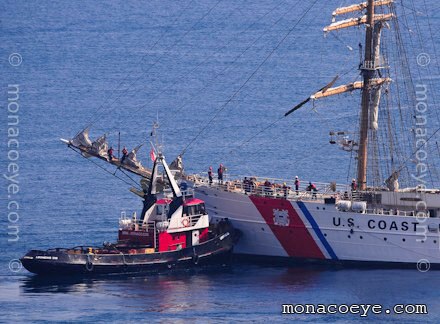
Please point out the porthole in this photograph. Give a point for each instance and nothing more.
(349, 236)
(317, 207)
(262, 228)
(384, 238)
(325, 234)
(361, 237)
(323, 208)
(403, 240)
(435, 241)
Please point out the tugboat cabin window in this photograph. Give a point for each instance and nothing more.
(194, 209)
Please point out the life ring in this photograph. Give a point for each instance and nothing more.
(185, 221)
(89, 266)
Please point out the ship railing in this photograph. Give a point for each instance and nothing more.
(256, 186)
(127, 222)
(397, 212)
(193, 219)
(187, 193)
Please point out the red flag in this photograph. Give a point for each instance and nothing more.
(152, 155)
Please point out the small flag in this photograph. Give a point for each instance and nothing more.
(152, 155)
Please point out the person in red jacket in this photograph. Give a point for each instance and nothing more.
(220, 171)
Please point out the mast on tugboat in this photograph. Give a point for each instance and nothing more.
(368, 72)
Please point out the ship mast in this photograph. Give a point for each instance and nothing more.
(368, 75)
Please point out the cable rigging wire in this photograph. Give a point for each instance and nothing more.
(204, 61)
(106, 170)
(159, 59)
(249, 78)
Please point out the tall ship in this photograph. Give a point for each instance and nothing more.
(386, 216)
(373, 219)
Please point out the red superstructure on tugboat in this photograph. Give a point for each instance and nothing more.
(172, 233)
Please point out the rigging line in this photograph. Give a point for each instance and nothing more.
(141, 60)
(159, 59)
(276, 121)
(204, 61)
(417, 149)
(249, 78)
(128, 176)
(422, 46)
(101, 167)
(239, 56)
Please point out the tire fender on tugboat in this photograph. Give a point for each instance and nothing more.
(195, 257)
(89, 265)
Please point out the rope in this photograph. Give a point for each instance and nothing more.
(249, 78)
(101, 167)
(159, 59)
(203, 62)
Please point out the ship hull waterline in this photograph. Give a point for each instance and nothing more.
(56, 262)
(296, 231)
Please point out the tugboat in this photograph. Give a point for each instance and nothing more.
(173, 233)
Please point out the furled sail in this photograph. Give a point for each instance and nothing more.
(376, 43)
(131, 159)
(359, 7)
(82, 139)
(393, 181)
(356, 22)
(100, 146)
(374, 108)
(177, 164)
(348, 88)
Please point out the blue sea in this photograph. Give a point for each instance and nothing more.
(218, 76)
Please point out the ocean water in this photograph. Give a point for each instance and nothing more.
(197, 67)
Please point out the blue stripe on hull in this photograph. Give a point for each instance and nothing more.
(317, 230)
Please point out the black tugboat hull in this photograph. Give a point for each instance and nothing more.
(215, 252)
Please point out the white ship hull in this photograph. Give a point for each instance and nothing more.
(313, 230)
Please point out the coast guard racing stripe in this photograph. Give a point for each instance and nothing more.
(293, 235)
(317, 230)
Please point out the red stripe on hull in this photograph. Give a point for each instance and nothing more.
(294, 236)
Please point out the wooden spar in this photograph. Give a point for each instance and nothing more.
(360, 7)
(338, 90)
(348, 87)
(368, 75)
(356, 22)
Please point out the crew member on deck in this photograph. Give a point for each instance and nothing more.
(110, 153)
(210, 175)
(246, 185)
(297, 185)
(312, 188)
(124, 154)
(267, 187)
(353, 185)
(220, 171)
